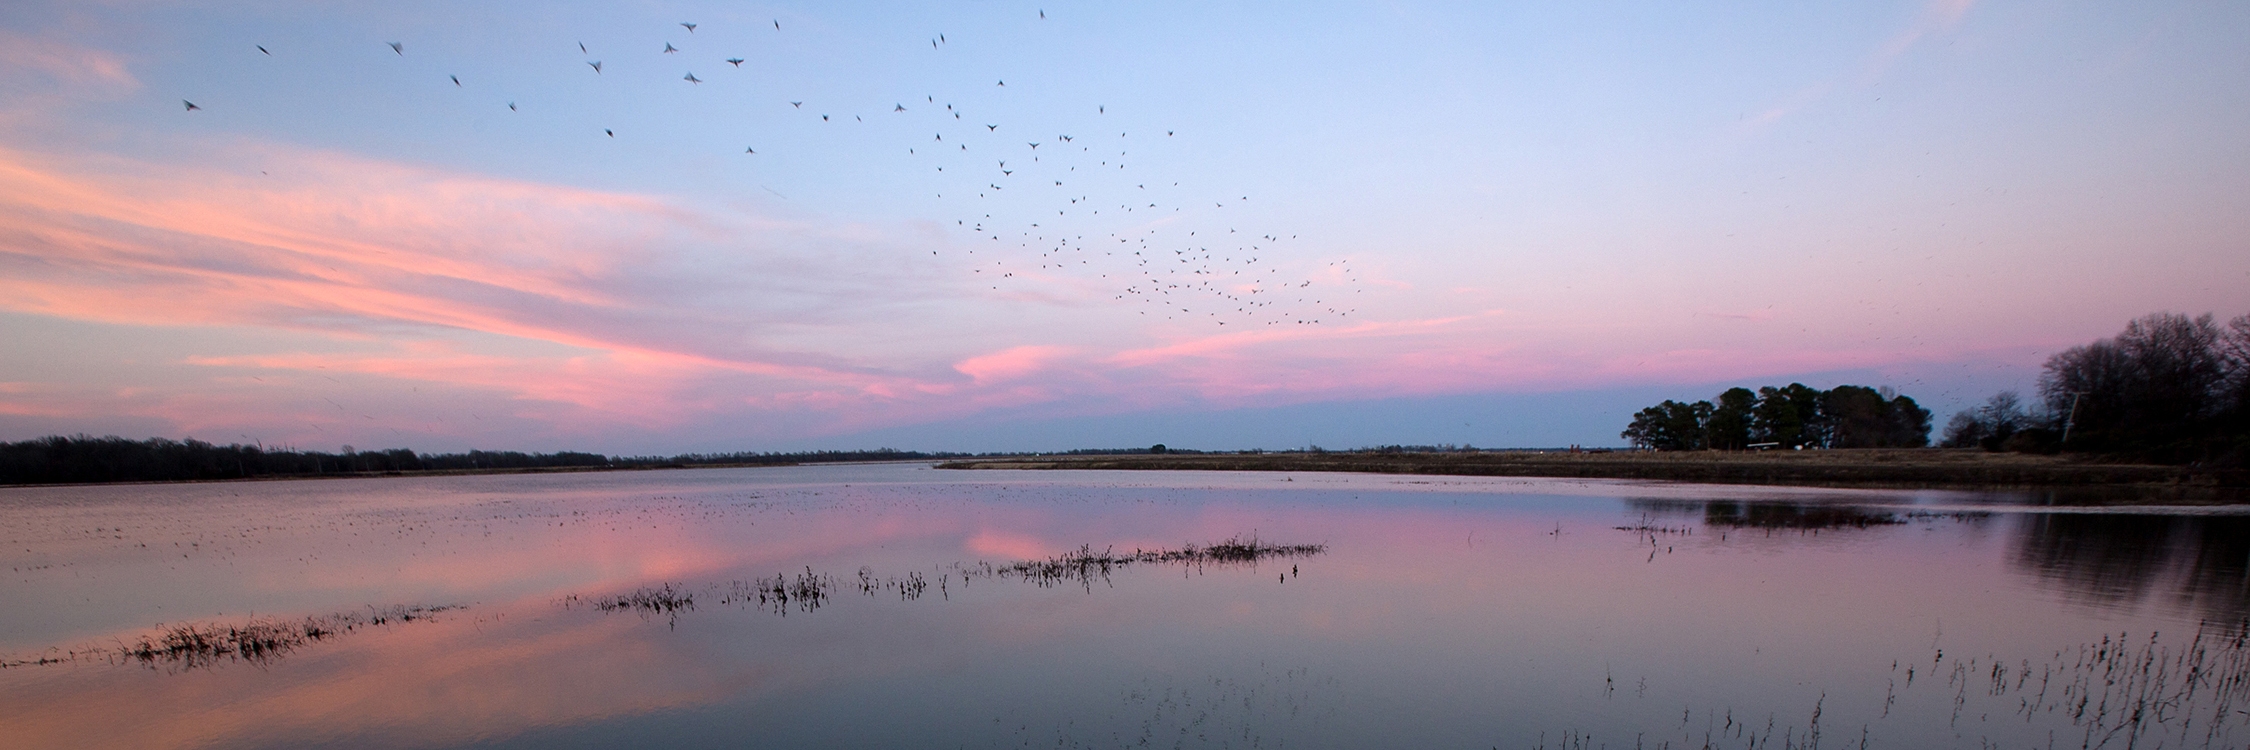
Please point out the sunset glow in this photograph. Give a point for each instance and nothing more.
(1456, 213)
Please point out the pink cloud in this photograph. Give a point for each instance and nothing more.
(582, 310)
(1011, 363)
(63, 62)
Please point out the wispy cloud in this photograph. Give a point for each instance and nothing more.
(1936, 17)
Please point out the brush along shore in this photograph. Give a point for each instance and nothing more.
(1890, 468)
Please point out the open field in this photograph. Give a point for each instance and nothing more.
(1912, 468)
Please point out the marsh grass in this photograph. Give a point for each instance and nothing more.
(2121, 692)
(256, 641)
(808, 591)
(1085, 566)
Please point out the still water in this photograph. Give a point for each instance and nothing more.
(873, 606)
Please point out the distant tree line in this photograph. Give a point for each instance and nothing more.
(83, 459)
(1790, 417)
(2168, 388)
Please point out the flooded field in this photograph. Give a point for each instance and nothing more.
(901, 606)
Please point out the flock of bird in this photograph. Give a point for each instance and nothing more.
(1062, 209)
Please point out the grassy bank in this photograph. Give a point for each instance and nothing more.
(1891, 468)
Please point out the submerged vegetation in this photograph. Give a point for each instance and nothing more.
(2122, 691)
(809, 590)
(256, 641)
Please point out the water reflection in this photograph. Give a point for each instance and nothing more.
(1458, 614)
(2195, 563)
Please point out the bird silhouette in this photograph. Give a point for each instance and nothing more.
(1003, 83)
(669, 49)
(511, 106)
(610, 133)
(262, 48)
(991, 127)
(898, 108)
(597, 66)
(735, 61)
(777, 25)
(692, 79)
(690, 26)
(456, 81)
(398, 48)
(799, 105)
(582, 48)
(190, 106)
(750, 151)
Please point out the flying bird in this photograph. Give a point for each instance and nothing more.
(735, 61)
(690, 26)
(750, 151)
(1042, 13)
(991, 127)
(898, 108)
(398, 48)
(1003, 83)
(669, 49)
(777, 25)
(597, 66)
(456, 80)
(799, 105)
(582, 48)
(609, 132)
(262, 48)
(692, 79)
(1035, 147)
(511, 106)
(190, 106)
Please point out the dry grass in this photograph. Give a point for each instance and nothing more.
(1896, 468)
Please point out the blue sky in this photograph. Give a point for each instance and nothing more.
(1356, 224)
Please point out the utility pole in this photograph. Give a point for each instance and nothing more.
(2073, 417)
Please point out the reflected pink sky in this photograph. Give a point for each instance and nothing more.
(1464, 594)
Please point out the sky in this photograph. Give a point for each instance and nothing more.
(1033, 226)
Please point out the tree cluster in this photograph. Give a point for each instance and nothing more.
(1792, 416)
(2168, 388)
(83, 459)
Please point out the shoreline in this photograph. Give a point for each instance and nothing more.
(462, 472)
(1925, 468)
